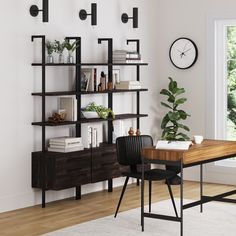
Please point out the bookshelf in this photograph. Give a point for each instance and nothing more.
(57, 171)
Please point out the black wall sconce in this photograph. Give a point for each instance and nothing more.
(34, 10)
(125, 18)
(83, 14)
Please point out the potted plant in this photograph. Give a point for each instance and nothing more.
(94, 111)
(50, 46)
(172, 127)
(59, 48)
(71, 47)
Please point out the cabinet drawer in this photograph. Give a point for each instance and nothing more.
(104, 164)
(62, 170)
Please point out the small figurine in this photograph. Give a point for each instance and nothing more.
(131, 131)
(138, 133)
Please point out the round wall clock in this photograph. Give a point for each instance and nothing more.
(183, 53)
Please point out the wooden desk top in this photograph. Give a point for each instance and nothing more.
(207, 150)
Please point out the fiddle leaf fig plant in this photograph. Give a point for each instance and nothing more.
(172, 126)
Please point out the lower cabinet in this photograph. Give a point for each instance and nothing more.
(67, 170)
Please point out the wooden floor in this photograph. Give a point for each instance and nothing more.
(60, 214)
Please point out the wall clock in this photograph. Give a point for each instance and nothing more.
(183, 53)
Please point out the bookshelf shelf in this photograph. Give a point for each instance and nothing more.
(90, 64)
(65, 93)
(57, 171)
(84, 120)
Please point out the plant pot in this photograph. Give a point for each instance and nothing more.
(70, 58)
(61, 58)
(50, 58)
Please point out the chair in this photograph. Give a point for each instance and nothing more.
(129, 154)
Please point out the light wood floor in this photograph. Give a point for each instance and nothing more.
(60, 214)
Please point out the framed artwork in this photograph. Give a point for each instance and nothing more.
(86, 77)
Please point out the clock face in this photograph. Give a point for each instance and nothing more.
(183, 53)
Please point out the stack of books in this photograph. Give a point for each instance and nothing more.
(122, 56)
(128, 85)
(119, 56)
(65, 144)
(133, 57)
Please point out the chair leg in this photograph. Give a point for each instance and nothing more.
(150, 196)
(171, 196)
(122, 194)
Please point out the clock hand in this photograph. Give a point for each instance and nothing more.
(187, 50)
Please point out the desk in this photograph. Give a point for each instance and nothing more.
(198, 154)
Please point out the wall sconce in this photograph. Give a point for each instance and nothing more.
(83, 14)
(34, 10)
(125, 18)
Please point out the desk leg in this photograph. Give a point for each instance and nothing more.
(201, 187)
(142, 198)
(181, 199)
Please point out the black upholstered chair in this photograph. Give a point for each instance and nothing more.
(129, 154)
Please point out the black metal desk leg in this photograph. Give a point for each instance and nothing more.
(181, 198)
(142, 198)
(201, 187)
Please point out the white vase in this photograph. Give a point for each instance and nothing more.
(50, 58)
(70, 58)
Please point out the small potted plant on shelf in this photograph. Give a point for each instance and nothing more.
(172, 127)
(50, 46)
(94, 111)
(59, 48)
(71, 47)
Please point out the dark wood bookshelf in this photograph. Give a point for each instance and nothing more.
(65, 93)
(90, 64)
(92, 120)
(57, 171)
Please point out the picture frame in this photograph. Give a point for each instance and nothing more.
(86, 78)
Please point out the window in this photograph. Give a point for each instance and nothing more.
(225, 72)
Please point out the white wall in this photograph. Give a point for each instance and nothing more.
(18, 79)
(161, 22)
(193, 19)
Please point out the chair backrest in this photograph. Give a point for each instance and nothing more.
(129, 149)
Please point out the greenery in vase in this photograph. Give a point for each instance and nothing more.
(50, 46)
(102, 111)
(71, 46)
(172, 121)
(60, 46)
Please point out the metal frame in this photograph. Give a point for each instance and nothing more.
(203, 199)
(78, 97)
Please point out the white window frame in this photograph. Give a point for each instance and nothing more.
(220, 90)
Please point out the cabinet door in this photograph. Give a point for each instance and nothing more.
(72, 170)
(62, 170)
(104, 164)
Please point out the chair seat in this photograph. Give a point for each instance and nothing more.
(153, 174)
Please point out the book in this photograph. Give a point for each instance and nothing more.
(64, 150)
(128, 85)
(65, 139)
(92, 134)
(175, 145)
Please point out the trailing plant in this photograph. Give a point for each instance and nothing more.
(172, 121)
(60, 46)
(102, 111)
(71, 46)
(50, 46)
